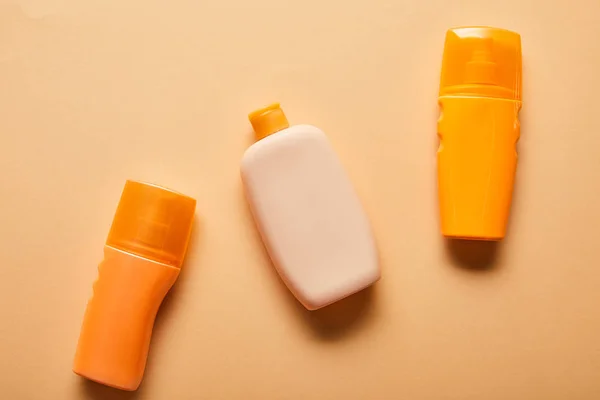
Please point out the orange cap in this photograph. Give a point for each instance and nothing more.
(152, 222)
(268, 120)
(482, 61)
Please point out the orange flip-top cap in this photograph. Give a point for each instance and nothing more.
(482, 61)
(152, 222)
(268, 120)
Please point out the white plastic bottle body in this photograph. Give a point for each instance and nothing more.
(309, 216)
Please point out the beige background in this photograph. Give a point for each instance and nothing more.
(95, 92)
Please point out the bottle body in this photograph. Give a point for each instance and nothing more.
(477, 161)
(119, 318)
(309, 216)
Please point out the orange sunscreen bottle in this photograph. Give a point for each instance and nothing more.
(143, 253)
(480, 99)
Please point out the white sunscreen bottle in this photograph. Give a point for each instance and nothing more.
(308, 214)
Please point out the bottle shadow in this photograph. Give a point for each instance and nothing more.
(96, 391)
(340, 319)
(473, 255)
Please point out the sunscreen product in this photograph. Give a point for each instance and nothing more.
(142, 257)
(309, 216)
(480, 99)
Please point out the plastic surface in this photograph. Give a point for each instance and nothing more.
(152, 222)
(478, 129)
(268, 120)
(142, 257)
(309, 216)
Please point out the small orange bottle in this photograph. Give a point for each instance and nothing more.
(143, 253)
(480, 99)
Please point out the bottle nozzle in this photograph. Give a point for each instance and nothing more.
(268, 120)
(481, 68)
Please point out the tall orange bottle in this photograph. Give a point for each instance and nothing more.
(142, 257)
(480, 99)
